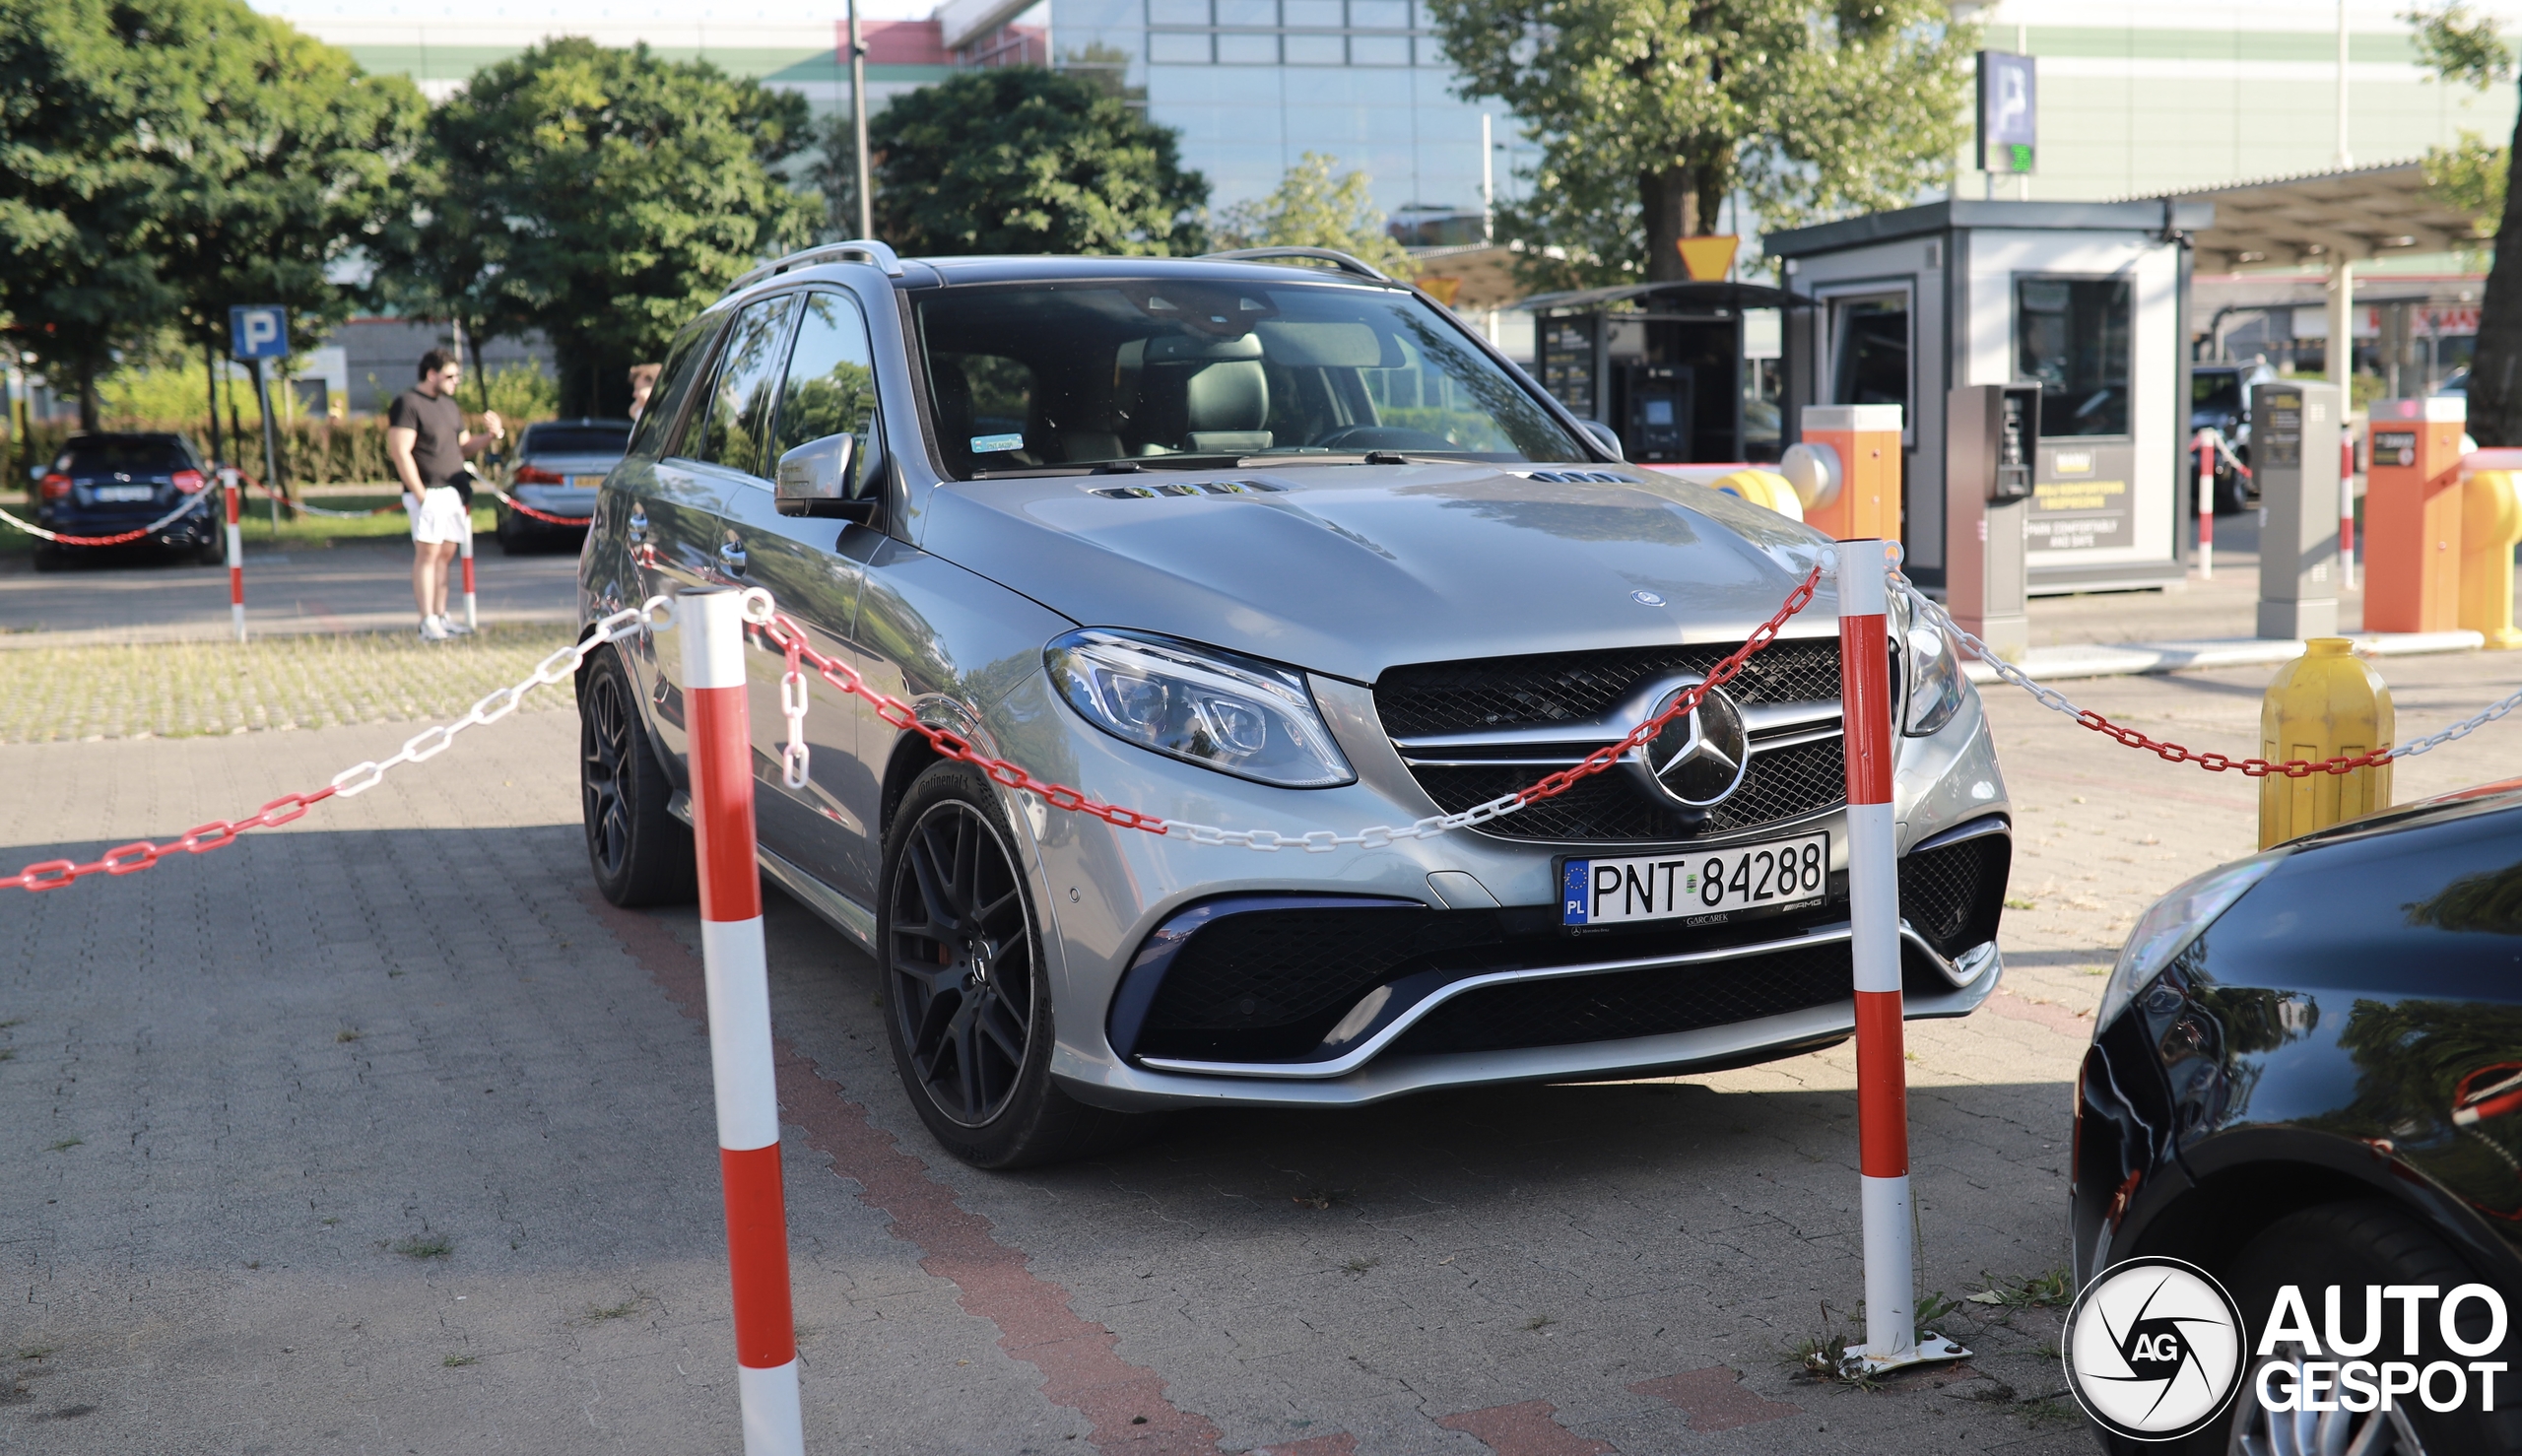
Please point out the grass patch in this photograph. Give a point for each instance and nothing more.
(65, 1145)
(1538, 1322)
(2018, 903)
(1935, 1307)
(2051, 1290)
(1361, 1266)
(430, 1246)
(33, 1352)
(347, 1033)
(453, 1361)
(598, 1313)
(1831, 1356)
(8, 1053)
(190, 690)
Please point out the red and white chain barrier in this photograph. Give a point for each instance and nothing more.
(1929, 610)
(732, 958)
(191, 503)
(521, 509)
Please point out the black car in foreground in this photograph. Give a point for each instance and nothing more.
(104, 485)
(2306, 1071)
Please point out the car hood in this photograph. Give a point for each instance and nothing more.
(1351, 569)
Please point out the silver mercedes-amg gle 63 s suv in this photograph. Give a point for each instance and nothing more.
(1258, 544)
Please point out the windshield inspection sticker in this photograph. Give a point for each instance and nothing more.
(985, 444)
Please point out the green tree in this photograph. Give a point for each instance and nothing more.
(1021, 160)
(603, 196)
(1649, 112)
(2465, 48)
(1311, 208)
(160, 160)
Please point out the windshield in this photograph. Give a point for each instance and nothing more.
(151, 454)
(1161, 372)
(577, 440)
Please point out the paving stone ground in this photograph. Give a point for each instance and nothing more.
(380, 1132)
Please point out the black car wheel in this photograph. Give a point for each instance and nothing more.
(642, 854)
(2352, 1245)
(969, 1004)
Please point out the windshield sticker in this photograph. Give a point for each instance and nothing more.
(986, 445)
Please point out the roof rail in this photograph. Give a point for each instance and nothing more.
(1343, 262)
(857, 251)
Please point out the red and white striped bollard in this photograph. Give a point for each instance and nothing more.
(235, 551)
(465, 550)
(2206, 505)
(1874, 944)
(711, 622)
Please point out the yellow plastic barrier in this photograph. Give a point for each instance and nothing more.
(2324, 704)
(2490, 523)
(1765, 488)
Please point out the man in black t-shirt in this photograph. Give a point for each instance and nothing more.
(426, 439)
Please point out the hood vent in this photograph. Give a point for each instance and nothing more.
(1569, 477)
(1187, 488)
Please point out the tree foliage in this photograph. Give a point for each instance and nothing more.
(162, 160)
(2460, 45)
(1649, 112)
(601, 195)
(1023, 159)
(2465, 50)
(2471, 175)
(1313, 208)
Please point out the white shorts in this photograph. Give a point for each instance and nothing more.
(440, 516)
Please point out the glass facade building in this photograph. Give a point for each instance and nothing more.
(1253, 85)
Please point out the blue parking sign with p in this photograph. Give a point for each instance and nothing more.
(257, 331)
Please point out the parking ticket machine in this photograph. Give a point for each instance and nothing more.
(2413, 515)
(1992, 436)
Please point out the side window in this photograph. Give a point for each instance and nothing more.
(831, 381)
(736, 416)
(684, 359)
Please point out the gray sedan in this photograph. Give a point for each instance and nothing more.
(1258, 546)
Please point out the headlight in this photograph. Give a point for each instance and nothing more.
(2166, 930)
(1234, 714)
(1935, 679)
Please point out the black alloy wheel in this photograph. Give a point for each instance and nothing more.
(967, 1004)
(642, 854)
(962, 956)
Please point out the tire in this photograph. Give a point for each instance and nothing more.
(968, 1001)
(504, 533)
(2230, 496)
(2352, 1244)
(641, 853)
(210, 553)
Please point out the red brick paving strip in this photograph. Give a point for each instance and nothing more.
(1715, 1399)
(1526, 1429)
(1080, 1370)
(1342, 1444)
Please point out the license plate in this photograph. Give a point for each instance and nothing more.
(586, 482)
(1694, 884)
(125, 492)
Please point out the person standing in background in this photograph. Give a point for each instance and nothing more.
(644, 382)
(426, 439)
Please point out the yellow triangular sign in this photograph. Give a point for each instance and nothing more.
(1707, 258)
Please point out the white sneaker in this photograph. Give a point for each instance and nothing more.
(432, 630)
(454, 628)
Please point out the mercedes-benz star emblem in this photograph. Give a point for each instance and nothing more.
(1697, 761)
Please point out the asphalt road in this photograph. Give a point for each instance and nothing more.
(380, 1132)
(300, 588)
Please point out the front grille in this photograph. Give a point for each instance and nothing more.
(1783, 783)
(1953, 895)
(1434, 697)
(1633, 1003)
(1267, 985)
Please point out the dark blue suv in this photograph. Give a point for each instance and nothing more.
(104, 485)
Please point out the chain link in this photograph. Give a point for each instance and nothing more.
(2173, 752)
(785, 633)
(521, 509)
(556, 669)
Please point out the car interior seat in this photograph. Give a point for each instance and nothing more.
(1209, 394)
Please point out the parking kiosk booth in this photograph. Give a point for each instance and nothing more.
(2082, 302)
(1684, 372)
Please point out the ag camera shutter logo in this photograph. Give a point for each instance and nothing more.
(2153, 1349)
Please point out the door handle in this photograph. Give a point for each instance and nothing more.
(731, 555)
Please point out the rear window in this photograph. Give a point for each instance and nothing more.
(133, 455)
(579, 439)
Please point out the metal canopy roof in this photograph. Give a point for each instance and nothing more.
(1685, 294)
(2320, 218)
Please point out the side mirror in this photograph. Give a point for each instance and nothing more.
(1605, 436)
(815, 479)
